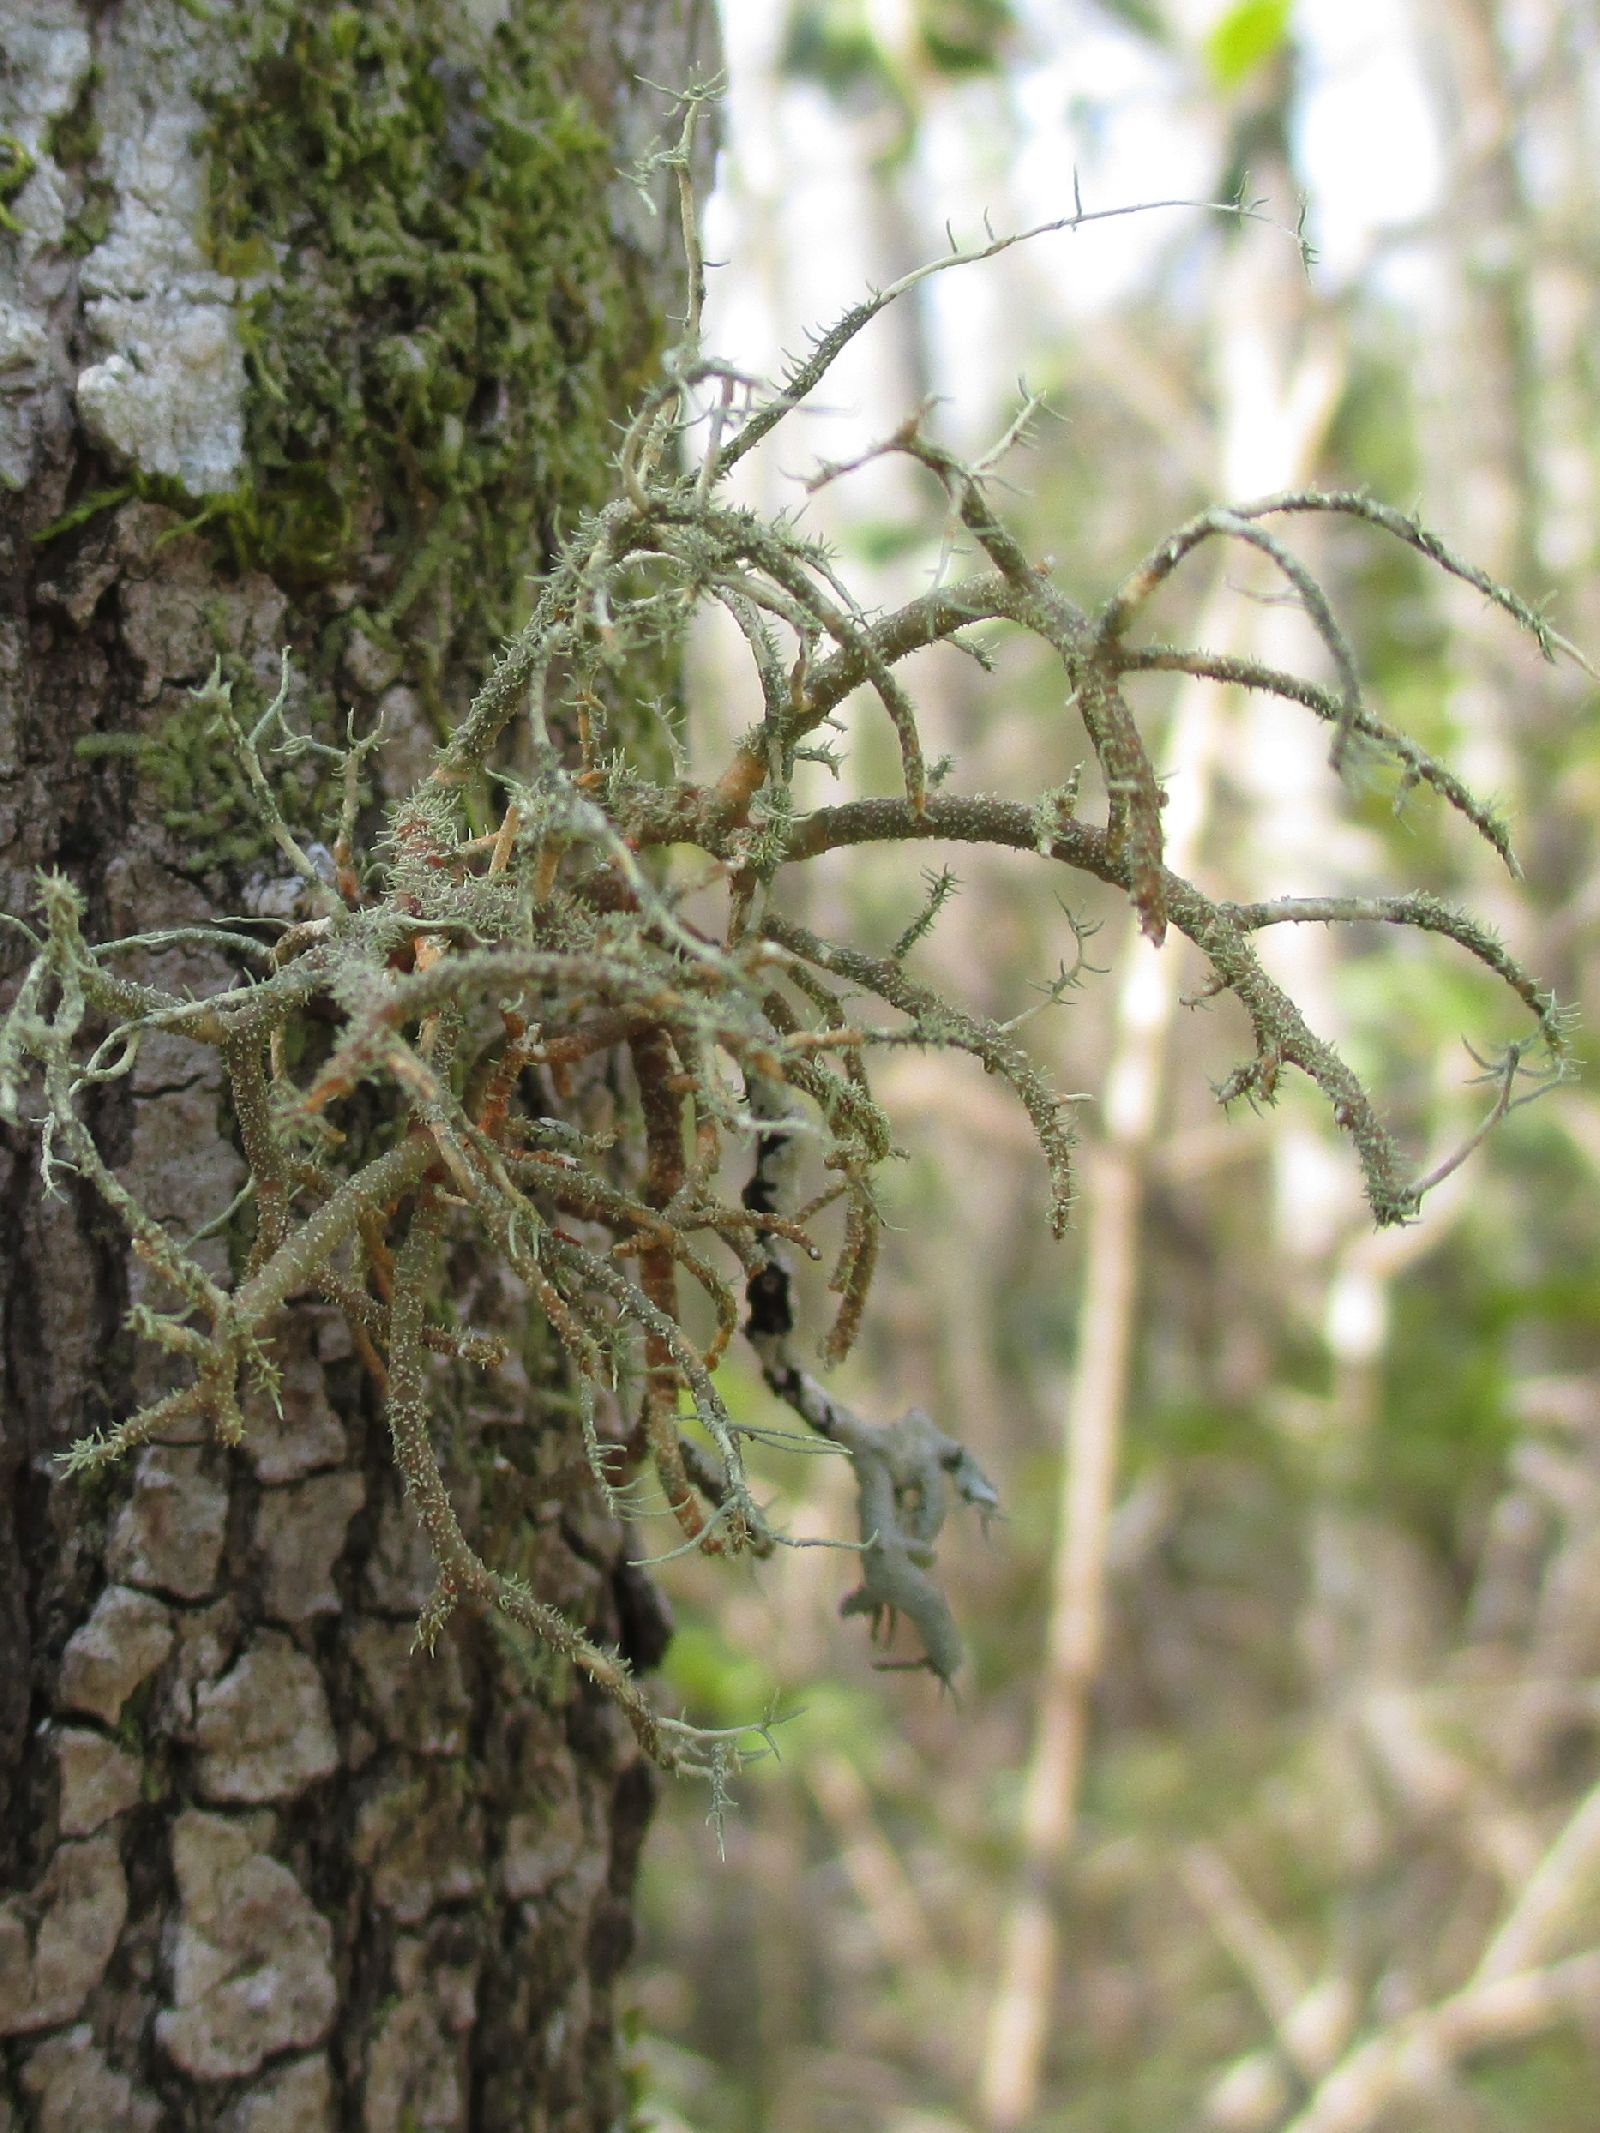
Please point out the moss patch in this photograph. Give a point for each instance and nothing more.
(445, 326)
(198, 784)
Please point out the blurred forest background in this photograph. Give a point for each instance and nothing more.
(1271, 1802)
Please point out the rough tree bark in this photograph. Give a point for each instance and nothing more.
(314, 323)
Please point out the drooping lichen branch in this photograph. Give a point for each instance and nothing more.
(904, 1471)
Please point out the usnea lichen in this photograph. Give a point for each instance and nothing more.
(467, 975)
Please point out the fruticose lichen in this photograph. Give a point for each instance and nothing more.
(401, 1050)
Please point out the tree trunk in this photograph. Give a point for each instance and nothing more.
(316, 323)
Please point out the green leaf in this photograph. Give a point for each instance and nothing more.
(1243, 37)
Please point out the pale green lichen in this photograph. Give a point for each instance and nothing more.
(449, 982)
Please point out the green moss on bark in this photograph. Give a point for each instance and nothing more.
(444, 324)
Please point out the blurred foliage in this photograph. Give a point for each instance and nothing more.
(842, 46)
(1144, 17)
(837, 43)
(1356, 1575)
(1243, 38)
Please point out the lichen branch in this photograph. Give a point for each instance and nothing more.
(452, 983)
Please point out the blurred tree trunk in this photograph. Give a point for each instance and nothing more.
(314, 323)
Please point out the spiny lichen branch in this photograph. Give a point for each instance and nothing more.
(399, 1062)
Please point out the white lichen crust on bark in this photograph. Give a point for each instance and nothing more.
(48, 55)
(164, 393)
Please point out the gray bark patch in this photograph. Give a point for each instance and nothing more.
(74, 2088)
(123, 1642)
(421, 1843)
(300, 1531)
(263, 1731)
(413, 2074)
(419, 1702)
(169, 1533)
(56, 1941)
(99, 1780)
(251, 1968)
(297, 2098)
